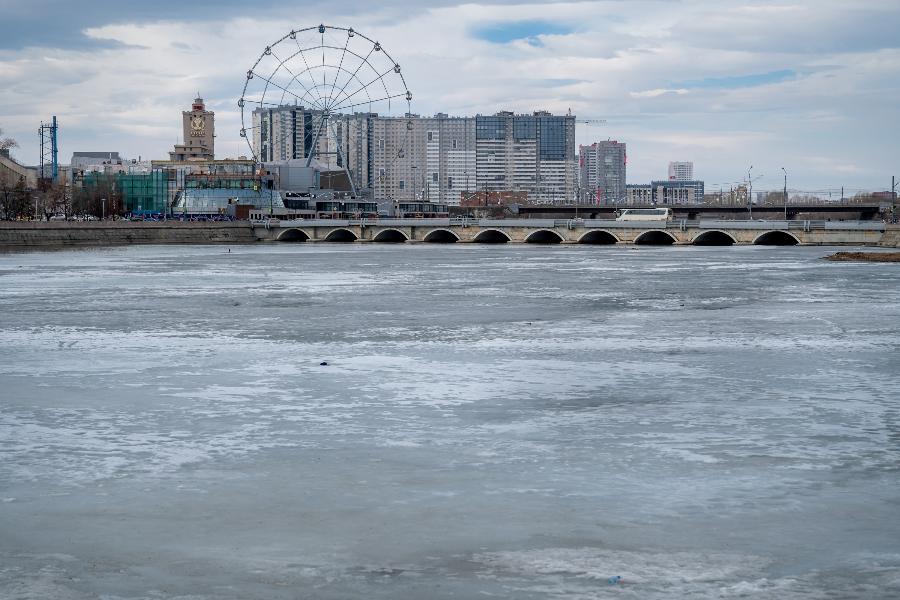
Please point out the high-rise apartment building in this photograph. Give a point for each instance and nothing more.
(355, 137)
(423, 158)
(681, 171)
(399, 158)
(437, 159)
(289, 132)
(531, 153)
(602, 171)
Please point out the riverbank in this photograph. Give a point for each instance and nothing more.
(18, 235)
(881, 257)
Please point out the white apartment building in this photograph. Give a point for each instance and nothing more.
(423, 158)
(439, 159)
(681, 171)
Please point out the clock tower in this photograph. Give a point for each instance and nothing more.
(199, 134)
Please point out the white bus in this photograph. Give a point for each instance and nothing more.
(645, 214)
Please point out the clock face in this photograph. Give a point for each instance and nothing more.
(197, 125)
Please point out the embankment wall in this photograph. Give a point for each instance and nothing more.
(49, 234)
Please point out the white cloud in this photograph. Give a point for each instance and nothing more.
(658, 92)
(623, 61)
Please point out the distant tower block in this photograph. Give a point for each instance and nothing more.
(681, 171)
(603, 168)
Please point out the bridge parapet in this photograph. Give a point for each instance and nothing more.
(572, 231)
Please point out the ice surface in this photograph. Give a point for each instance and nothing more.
(493, 421)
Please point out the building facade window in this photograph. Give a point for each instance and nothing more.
(434, 178)
(402, 185)
(490, 128)
(524, 128)
(553, 138)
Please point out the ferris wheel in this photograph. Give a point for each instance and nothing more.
(332, 72)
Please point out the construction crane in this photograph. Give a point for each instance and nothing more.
(587, 121)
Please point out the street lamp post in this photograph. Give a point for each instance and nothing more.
(785, 193)
(750, 193)
(466, 173)
(102, 209)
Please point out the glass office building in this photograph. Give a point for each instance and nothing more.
(533, 153)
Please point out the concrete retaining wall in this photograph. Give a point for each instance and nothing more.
(19, 235)
(891, 237)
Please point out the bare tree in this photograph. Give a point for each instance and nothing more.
(7, 143)
(58, 200)
(15, 200)
(6, 199)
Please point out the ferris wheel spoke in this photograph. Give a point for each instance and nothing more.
(345, 106)
(280, 78)
(303, 56)
(262, 103)
(307, 93)
(338, 72)
(341, 155)
(320, 104)
(283, 63)
(379, 78)
(269, 81)
(322, 31)
(355, 71)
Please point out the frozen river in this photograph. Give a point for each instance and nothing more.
(493, 421)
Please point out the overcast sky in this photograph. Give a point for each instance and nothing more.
(809, 85)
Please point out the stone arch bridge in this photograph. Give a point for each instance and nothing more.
(572, 231)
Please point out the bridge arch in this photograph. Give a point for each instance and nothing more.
(655, 237)
(440, 236)
(714, 237)
(776, 238)
(543, 236)
(340, 235)
(598, 236)
(491, 236)
(390, 236)
(293, 235)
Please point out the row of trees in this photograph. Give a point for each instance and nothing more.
(19, 203)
